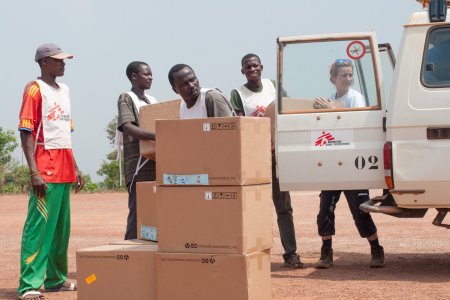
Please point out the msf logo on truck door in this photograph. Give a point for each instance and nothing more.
(332, 139)
(324, 139)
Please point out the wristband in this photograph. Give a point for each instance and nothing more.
(33, 174)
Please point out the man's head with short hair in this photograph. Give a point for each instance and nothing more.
(134, 67)
(252, 69)
(175, 69)
(247, 56)
(185, 83)
(140, 75)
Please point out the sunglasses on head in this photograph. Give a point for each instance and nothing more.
(343, 61)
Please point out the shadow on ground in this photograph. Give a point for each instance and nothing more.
(348, 266)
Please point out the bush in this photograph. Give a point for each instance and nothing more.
(16, 179)
(89, 186)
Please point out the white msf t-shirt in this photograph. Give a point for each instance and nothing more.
(198, 110)
(351, 99)
(255, 103)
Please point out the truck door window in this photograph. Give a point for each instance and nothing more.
(387, 61)
(436, 62)
(327, 75)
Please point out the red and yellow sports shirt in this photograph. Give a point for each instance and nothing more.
(54, 165)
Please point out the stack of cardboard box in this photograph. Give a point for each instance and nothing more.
(127, 269)
(214, 208)
(213, 200)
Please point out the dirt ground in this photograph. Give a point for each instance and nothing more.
(417, 253)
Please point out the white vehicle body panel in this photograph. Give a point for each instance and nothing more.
(419, 164)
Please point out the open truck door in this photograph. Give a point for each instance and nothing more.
(338, 148)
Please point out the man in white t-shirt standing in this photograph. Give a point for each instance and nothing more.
(252, 99)
(141, 77)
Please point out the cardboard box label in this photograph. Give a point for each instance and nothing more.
(91, 278)
(220, 195)
(194, 179)
(149, 233)
(202, 260)
(219, 126)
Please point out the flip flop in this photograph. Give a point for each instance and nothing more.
(31, 294)
(63, 287)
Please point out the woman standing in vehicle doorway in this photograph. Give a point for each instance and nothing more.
(341, 75)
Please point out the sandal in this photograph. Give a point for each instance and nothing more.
(31, 295)
(63, 287)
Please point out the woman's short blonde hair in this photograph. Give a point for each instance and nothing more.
(339, 63)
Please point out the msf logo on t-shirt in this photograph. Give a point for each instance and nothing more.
(57, 113)
(260, 111)
(324, 139)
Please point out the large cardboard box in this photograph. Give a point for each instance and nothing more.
(219, 277)
(213, 151)
(215, 219)
(147, 228)
(117, 272)
(147, 116)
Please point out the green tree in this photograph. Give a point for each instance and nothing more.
(8, 143)
(109, 168)
(89, 186)
(110, 171)
(111, 130)
(17, 179)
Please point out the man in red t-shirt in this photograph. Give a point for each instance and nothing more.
(45, 131)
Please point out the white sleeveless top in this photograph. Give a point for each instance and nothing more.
(255, 104)
(56, 116)
(196, 111)
(138, 102)
(118, 139)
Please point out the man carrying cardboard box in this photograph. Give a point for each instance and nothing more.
(140, 76)
(252, 100)
(197, 102)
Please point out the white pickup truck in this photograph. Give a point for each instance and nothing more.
(399, 141)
